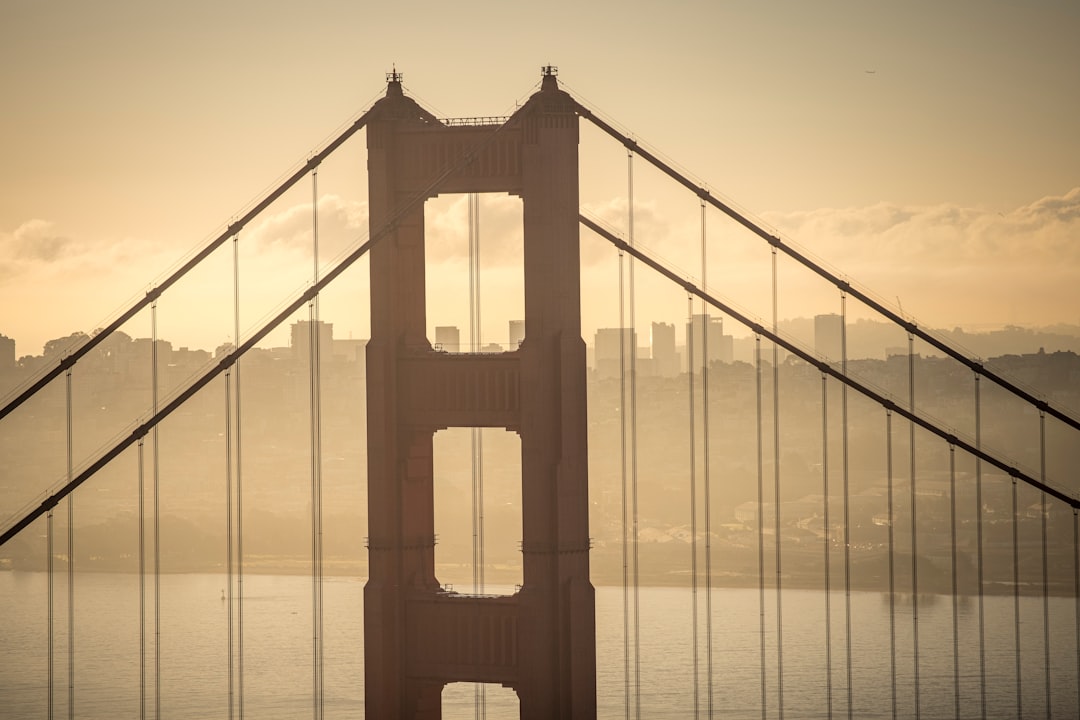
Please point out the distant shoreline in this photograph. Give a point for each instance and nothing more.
(508, 577)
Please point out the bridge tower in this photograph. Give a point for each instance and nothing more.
(418, 637)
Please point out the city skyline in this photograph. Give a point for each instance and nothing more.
(924, 150)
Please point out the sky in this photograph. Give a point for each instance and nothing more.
(928, 151)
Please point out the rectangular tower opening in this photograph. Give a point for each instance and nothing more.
(458, 526)
(461, 700)
(495, 259)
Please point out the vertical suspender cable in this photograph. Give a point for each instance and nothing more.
(239, 492)
(955, 593)
(1076, 594)
(229, 530)
(827, 538)
(776, 491)
(142, 578)
(49, 573)
(315, 392)
(479, 431)
(847, 502)
(475, 348)
(761, 521)
(71, 558)
(229, 459)
(892, 556)
(914, 523)
(693, 500)
(472, 431)
(1016, 595)
(707, 484)
(625, 494)
(633, 433)
(156, 510)
(477, 440)
(979, 546)
(1045, 567)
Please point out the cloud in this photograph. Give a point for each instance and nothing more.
(38, 240)
(652, 228)
(34, 242)
(290, 229)
(1042, 233)
(446, 230)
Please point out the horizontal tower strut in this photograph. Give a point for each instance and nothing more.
(841, 284)
(230, 359)
(826, 368)
(153, 294)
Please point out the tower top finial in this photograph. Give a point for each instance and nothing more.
(393, 81)
(549, 73)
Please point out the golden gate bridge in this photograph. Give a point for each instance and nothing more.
(540, 640)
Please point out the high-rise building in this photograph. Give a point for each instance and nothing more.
(448, 338)
(665, 359)
(300, 339)
(517, 333)
(720, 347)
(609, 357)
(7, 352)
(827, 336)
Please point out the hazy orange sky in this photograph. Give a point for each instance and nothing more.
(929, 150)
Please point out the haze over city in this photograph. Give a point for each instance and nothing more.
(925, 150)
(495, 525)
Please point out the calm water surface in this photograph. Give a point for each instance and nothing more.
(277, 632)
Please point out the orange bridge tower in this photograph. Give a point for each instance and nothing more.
(539, 641)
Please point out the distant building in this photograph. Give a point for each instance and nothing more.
(350, 350)
(613, 349)
(517, 333)
(720, 347)
(896, 351)
(828, 333)
(7, 352)
(300, 339)
(142, 352)
(448, 338)
(665, 361)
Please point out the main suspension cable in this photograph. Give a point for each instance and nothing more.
(235, 227)
(776, 243)
(810, 358)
